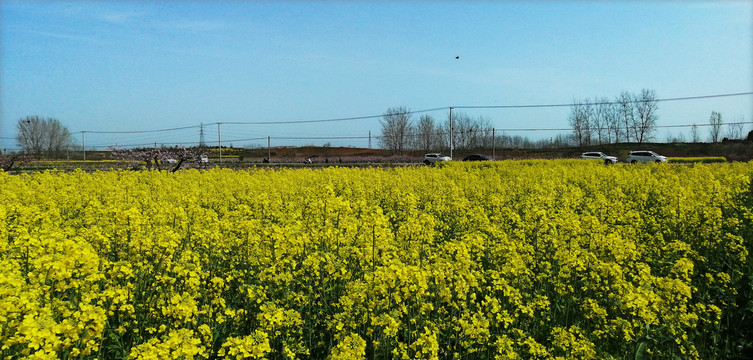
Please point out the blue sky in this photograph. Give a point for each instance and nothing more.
(132, 65)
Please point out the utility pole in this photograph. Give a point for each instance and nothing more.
(269, 148)
(452, 144)
(494, 145)
(219, 141)
(83, 142)
(369, 139)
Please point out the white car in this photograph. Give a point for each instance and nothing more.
(599, 156)
(645, 157)
(431, 158)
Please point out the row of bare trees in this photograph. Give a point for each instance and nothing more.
(735, 130)
(627, 118)
(401, 133)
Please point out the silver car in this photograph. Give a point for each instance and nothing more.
(645, 157)
(599, 156)
(431, 158)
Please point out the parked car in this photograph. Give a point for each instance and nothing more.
(476, 157)
(645, 157)
(599, 156)
(431, 158)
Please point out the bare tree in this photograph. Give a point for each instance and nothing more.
(469, 132)
(735, 130)
(694, 133)
(461, 131)
(485, 132)
(59, 138)
(39, 136)
(600, 120)
(427, 134)
(561, 140)
(626, 113)
(580, 121)
(716, 126)
(646, 108)
(476, 137)
(611, 115)
(396, 128)
(671, 138)
(31, 135)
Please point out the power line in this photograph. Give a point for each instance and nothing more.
(704, 124)
(164, 143)
(320, 138)
(246, 139)
(327, 120)
(201, 126)
(706, 96)
(657, 126)
(136, 131)
(407, 112)
(596, 103)
(378, 137)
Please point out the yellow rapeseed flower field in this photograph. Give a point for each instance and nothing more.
(499, 260)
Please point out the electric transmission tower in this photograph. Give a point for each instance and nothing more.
(201, 137)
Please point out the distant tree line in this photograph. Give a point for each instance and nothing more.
(402, 132)
(627, 118)
(735, 130)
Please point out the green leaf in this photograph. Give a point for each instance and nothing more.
(641, 351)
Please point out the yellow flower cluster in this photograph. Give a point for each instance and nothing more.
(505, 260)
(705, 159)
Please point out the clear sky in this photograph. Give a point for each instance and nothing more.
(137, 65)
